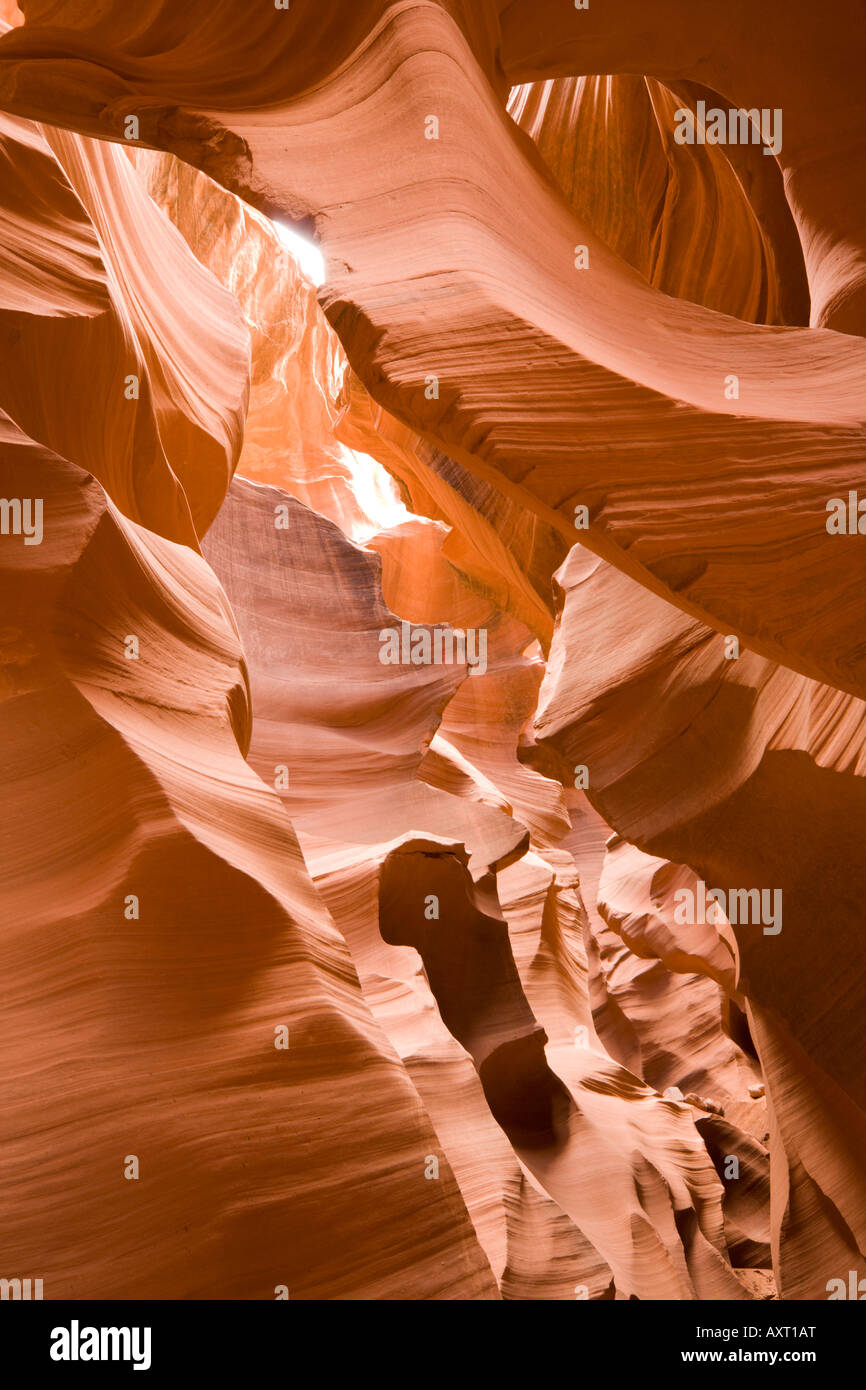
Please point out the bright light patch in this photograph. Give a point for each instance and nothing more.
(305, 252)
(376, 494)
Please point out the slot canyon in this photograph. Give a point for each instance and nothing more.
(433, 649)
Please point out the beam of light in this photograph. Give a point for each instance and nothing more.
(376, 494)
(305, 252)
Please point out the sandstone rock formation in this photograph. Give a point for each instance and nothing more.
(434, 700)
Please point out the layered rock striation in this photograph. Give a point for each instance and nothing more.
(433, 698)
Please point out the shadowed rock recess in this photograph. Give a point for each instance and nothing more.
(433, 649)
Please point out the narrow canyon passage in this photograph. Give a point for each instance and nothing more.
(434, 689)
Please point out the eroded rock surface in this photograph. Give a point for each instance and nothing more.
(433, 698)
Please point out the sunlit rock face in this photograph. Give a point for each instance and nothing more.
(433, 675)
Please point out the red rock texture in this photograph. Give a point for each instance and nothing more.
(335, 978)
